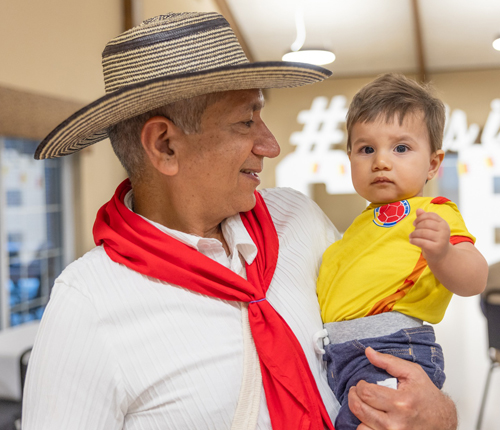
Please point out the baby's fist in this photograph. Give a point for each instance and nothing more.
(431, 234)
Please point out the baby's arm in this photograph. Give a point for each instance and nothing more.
(460, 268)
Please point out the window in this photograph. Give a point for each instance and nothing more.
(31, 229)
(496, 185)
(448, 178)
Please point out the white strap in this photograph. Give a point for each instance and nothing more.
(320, 336)
(247, 409)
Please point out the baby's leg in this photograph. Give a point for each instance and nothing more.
(347, 364)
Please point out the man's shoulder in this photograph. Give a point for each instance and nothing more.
(88, 269)
(291, 210)
(289, 201)
(95, 256)
(285, 194)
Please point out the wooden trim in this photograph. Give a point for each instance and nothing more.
(422, 72)
(128, 16)
(226, 12)
(32, 116)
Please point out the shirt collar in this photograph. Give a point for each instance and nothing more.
(237, 238)
(236, 235)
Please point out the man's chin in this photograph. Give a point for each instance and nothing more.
(248, 204)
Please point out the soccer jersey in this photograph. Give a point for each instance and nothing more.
(375, 269)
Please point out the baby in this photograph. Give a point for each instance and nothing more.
(401, 260)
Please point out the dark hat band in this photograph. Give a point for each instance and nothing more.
(164, 36)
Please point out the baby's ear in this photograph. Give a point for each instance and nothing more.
(435, 163)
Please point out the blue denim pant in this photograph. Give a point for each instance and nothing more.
(347, 364)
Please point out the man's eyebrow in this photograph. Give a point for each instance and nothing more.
(260, 103)
(253, 106)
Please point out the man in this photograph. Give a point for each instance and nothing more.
(197, 309)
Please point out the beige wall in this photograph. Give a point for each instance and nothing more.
(54, 46)
(149, 8)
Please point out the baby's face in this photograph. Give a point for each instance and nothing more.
(392, 162)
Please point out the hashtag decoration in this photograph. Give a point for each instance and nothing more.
(315, 159)
(321, 125)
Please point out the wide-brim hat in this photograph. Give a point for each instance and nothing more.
(166, 59)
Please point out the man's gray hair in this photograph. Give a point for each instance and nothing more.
(125, 136)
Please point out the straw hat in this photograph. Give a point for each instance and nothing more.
(165, 59)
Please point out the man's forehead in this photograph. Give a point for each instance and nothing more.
(245, 99)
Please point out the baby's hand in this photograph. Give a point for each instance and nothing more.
(431, 234)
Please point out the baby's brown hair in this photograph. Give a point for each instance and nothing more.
(394, 94)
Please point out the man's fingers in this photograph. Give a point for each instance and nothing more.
(370, 417)
(416, 404)
(363, 427)
(396, 367)
(376, 396)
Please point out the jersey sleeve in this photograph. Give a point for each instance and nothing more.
(448, 210)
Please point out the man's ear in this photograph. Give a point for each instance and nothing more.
(436, 160)
(158, 138)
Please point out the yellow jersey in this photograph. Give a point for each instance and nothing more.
(375, 269)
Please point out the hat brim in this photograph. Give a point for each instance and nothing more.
(88, 125)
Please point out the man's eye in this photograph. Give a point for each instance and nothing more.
(401, 148)
(248, 123)
(367, 150)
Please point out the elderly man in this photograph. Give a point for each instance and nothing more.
(197, 308)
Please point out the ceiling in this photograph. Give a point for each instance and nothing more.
(376, 36)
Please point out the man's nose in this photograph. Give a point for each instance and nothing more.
(266, 144)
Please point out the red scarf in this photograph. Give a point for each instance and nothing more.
(292, 396)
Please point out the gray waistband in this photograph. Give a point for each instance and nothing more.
(372, 326)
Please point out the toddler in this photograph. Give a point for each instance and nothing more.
(401, 260)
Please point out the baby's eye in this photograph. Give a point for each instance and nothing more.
(401, 148)
(367, 150)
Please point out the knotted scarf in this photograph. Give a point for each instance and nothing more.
(292, 396)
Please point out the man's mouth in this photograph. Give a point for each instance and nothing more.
(250, 172)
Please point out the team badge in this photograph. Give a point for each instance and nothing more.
(390, 214)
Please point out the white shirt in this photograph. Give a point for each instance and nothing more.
(120, 350)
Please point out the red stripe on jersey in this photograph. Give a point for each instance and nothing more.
(440, 200)
(459, 239)
(387, 303)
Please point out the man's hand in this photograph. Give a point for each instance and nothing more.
(432, 235)
(417, 404)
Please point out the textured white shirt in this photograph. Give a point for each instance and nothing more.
(120, 350)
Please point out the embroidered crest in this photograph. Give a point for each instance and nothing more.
(390, 214)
